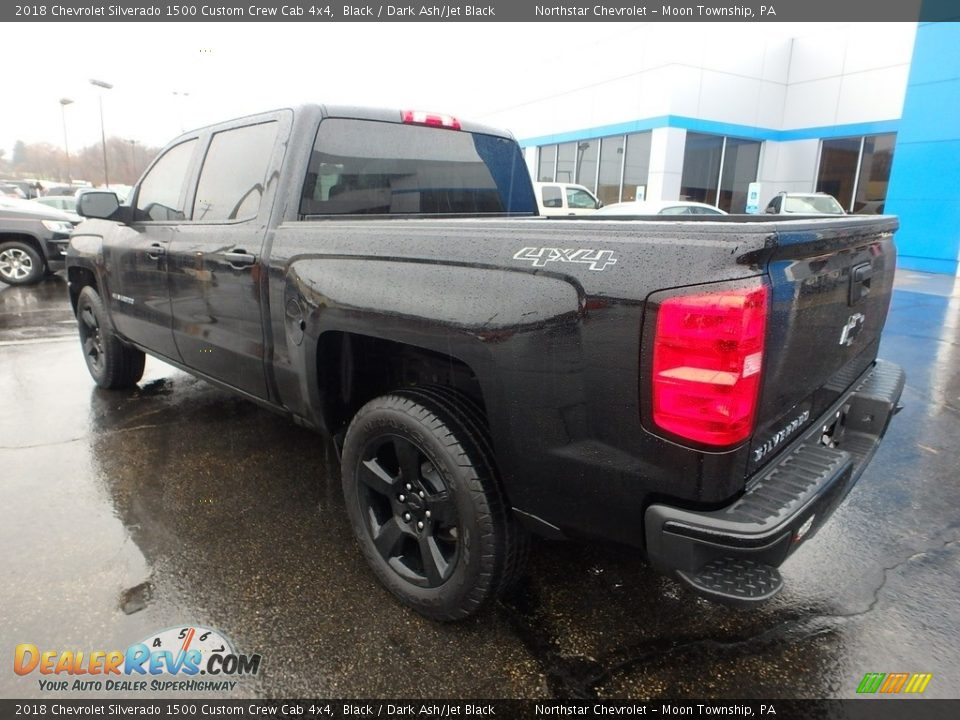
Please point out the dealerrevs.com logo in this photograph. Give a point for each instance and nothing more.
(185, 659)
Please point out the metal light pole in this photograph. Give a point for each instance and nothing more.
(180, 103)
(103, 134)
(133, 157)
(66, 147)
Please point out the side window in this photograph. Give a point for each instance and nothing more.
(580, 200)
(675, 210)
(161, 192)
(552, 197)
(234, 174)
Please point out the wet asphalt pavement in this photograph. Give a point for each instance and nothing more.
(175, 504)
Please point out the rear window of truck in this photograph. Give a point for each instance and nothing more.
(366, 167)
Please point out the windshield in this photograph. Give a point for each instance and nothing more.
(812, 205)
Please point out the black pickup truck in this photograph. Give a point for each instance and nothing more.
(706, 391)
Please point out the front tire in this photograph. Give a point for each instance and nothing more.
(20, 263)
(425, 504)
(112, 364)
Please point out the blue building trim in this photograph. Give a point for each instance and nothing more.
(748, 132)
(926, 160)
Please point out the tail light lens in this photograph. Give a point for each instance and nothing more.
(707, 358)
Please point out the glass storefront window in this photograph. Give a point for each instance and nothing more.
(611, 167)
(587, 154)
(838, 169)
(567, 162)
(701, 167)
(621, 161)
(547, 164)
(874, 174)
(636, 165)
(741, 159)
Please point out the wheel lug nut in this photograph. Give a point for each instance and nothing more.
(420, 493)
(409, 486)
(420, 525)
(428, 513)
(403, 498)
(406, 516)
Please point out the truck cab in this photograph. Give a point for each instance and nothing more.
(565, 199)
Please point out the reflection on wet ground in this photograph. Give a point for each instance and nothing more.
(173, 504)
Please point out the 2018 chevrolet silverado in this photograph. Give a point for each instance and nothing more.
(705, 390)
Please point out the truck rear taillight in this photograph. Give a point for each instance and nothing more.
(707, 358)
(418, 117)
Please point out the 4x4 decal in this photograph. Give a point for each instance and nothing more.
(596, 259)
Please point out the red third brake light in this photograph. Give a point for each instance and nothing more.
(418, 117)
(707, 358)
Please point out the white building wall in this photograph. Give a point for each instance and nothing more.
(853, 74)
(666, 163)
(787, 167)
(827, 75)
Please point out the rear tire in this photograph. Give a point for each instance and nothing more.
(425, 504)
(20, 263)
(112, 364)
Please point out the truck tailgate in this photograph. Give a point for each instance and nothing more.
(830, 290)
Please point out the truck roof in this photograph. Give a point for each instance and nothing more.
(356, 112)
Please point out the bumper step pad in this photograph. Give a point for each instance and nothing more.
(735, 581)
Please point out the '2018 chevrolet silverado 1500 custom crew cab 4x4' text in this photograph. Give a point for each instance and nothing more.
(706, 391)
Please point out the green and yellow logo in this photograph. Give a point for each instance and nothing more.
(892, 683)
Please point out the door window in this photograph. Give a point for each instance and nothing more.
(580, 200)
(234, 174)
(161, 195)
(552, 198)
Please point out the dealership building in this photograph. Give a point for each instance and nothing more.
(867, 112)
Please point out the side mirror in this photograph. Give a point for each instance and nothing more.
(100, 204)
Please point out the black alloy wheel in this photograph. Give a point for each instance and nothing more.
(425, 502)
(409, 512)
(111, 363)
(90, 339)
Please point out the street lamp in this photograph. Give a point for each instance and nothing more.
(133, 155)
(180, 104)
(66, 147)
(103, 135)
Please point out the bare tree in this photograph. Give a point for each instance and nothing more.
(126, 159)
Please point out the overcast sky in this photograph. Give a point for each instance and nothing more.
(467, 69)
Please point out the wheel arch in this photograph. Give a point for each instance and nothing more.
(78, 278)
(351, 368)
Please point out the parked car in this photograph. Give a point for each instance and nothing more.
(659, 207)
(29, 189)
(11, 191)
(64, 203)
(804, 204)
(381, 276)
(33, 240)
(62, 191)
(555, 199)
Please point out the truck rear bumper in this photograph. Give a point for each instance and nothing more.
(731, 554)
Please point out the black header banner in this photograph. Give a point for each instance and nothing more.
(321, 11)
(188, 709)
